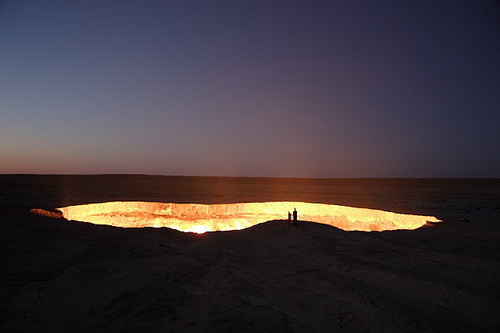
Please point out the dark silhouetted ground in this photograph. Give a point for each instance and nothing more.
(60, 276)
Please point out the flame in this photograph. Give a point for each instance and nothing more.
(200, 218)
(199, 229)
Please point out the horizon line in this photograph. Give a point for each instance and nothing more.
(214, 176)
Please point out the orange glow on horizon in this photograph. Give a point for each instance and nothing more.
(200, 218)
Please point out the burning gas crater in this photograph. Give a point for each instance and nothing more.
(222, 217)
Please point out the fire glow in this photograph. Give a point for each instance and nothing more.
(201, 218)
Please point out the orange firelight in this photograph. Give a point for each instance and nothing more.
(200, 218)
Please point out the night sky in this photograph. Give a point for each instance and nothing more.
(251, 88)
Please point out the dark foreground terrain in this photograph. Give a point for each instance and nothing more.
(60, 276)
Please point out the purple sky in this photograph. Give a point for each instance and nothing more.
(251, 88)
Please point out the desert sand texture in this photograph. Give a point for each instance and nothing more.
(69, 276)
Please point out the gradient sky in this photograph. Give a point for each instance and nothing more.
(251, 88)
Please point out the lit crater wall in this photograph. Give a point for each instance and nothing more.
(201, 218)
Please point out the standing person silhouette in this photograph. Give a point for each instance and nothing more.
(289, 219)
(294, 217)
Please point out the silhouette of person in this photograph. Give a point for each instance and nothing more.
(289, 219)
(294, 217)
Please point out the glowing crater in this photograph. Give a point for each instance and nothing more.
(222, 217)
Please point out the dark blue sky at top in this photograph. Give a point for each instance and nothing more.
(251, 88)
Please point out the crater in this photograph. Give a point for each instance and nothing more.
(201, 218)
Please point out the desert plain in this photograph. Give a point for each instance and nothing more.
(69, 276)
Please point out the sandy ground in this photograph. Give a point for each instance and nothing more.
(60, 276)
